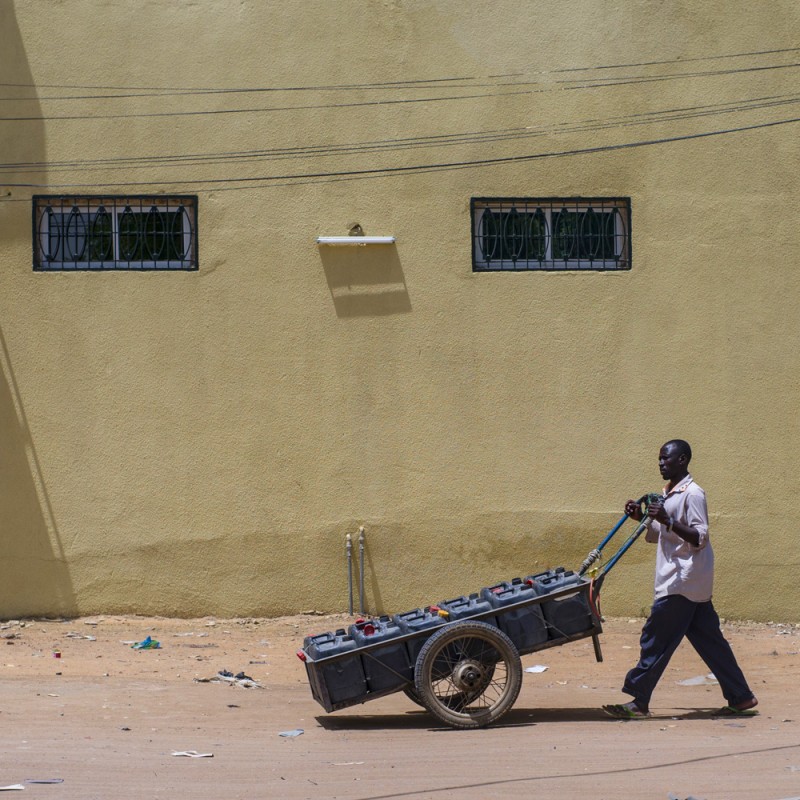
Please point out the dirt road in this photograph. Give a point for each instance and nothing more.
(105, 720)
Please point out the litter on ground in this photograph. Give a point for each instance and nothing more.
(146, 644)
(240, 679)
(700, 680)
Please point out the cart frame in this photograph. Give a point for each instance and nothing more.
(468, 672)
(315, 667)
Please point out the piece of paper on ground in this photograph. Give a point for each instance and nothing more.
(700, 680)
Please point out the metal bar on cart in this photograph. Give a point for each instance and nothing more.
(349, 548)
(647, 499)
(362, 609)
(624, 549)
(595, 554)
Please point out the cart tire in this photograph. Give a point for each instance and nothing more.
(411, 693)
(468, 674)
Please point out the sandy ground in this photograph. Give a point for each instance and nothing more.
(105, 719)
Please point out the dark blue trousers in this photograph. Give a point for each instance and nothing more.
(671, 618)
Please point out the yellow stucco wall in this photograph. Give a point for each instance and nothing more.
(201, 442)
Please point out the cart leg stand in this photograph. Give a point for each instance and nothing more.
(349, 548)
(361, 609)
(598, 653)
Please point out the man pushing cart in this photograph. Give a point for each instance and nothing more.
(460, 658)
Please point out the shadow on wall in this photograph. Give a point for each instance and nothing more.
(34, 579)
(365, 280)
(20, 141)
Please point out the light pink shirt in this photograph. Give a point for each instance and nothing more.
(682, 568)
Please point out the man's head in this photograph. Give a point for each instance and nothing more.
(673, 460)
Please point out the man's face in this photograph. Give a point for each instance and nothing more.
(671, 462)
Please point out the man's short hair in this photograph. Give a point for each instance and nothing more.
(682, 447)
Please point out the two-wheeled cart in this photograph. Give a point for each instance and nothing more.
(460, 659)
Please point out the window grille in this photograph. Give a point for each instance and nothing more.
(551, 234)
(113, 233)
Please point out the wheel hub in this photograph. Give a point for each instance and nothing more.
(468, 675)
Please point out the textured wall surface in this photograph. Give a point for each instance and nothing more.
(201, 442)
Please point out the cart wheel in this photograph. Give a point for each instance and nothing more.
(457, 700)
(468, 674)
(411, 693)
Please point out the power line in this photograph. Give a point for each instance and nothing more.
(654, 78)
(684, 60)
(407, 143)
(159, 90)
(268, 110)
(605, 83)
(469, 165)
(249, 182)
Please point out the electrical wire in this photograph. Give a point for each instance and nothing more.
(560, 85)
(167, 91)
(245, 182)
(400, 144)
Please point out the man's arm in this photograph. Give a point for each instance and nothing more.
(686, 532)
(695, 529)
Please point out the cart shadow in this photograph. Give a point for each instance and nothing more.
(422, 720)
(516, 718)
(412, 720)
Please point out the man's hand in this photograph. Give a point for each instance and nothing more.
(634, 510)
(656, 511)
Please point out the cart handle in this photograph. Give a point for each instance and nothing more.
(646, 499)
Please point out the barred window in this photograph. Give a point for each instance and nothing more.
(551, 234)
(113, 233)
